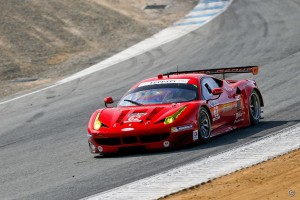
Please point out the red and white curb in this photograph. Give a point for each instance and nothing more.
(201, 171)
(204, 12)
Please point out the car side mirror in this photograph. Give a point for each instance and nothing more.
(108, 100)
(217, 91)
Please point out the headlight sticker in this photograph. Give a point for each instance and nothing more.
(97, 123)
(172, 118)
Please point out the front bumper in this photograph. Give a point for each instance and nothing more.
(113, 143)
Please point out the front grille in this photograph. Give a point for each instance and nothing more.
(108, 141)
(130, 140)
(153, 138)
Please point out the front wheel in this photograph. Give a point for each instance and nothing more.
(254, 108)
(204, 125)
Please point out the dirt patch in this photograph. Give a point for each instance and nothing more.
(53, 39)
(278, 178)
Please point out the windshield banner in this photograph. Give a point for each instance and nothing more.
(168, 81)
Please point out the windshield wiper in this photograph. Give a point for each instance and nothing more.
(133, 102)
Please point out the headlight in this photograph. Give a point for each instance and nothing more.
(169, 120)
(97, 123)
(172, 118)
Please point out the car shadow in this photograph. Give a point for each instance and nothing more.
(238, 137)
(249, 133)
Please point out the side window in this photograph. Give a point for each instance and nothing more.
(207, 85)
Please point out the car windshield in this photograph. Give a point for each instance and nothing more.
(160, 94)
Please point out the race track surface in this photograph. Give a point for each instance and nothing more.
(43, 145)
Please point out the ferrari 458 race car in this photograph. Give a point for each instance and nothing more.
(176, 109)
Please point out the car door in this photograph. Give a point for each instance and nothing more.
(220, 106)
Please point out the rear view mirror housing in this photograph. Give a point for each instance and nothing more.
(217, 91)
(108, 100)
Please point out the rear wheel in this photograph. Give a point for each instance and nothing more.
(254, 107)
(204, 125)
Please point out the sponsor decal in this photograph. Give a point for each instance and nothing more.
(181, 128)
(168, 81)
(239, 116)
(213, 103)
(137, 114)
(216, 113)
(135, 117)
(195, 135)
(239, 104)
(238, 120)
(127, 129)
(253, 70)
(166, 143)
(226, 107)
(229, 106)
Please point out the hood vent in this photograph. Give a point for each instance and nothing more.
(140, 111)
(122, 115)
(153, 113)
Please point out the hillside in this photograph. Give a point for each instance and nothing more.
(47, 40)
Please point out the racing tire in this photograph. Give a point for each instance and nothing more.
(204, 126)
(254, 108)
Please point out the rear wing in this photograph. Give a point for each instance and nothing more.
(246, 69)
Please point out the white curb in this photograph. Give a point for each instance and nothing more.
(201, 171)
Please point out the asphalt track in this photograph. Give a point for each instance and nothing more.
(43, 145)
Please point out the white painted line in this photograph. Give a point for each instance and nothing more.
(30, 93)
(203, 12)
(191, 20)
(201, 171)
(167, 35)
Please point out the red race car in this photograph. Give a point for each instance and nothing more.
(175, 109)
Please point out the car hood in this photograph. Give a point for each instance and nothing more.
(112, 117)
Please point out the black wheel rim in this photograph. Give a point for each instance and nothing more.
(254, 107)
(204, 125)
